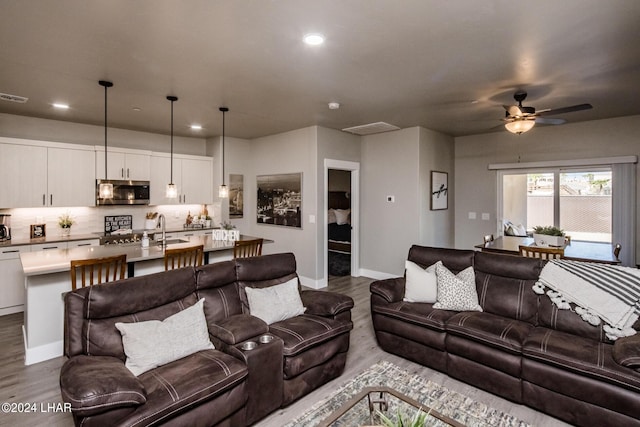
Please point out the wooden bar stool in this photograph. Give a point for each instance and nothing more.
(97, 270)
(183, 257)
(247, 248)
(541, 252)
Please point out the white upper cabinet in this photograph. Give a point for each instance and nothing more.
(192, 175)
(134, 165)
(39, 173)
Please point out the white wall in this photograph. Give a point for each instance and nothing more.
(476, 185)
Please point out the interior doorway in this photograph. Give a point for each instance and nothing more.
(341, 243)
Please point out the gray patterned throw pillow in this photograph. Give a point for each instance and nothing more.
(457, 293)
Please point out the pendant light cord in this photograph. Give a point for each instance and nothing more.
(106, 85)
(224, 110)
(172, 99)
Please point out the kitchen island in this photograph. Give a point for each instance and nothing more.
(47, 279)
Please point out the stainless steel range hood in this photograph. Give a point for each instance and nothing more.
(125, 192)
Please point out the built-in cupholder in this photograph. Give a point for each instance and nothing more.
(249, 345)
(265, 339)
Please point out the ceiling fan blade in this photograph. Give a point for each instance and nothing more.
(571, 109)
(549, 121)
(513, 110)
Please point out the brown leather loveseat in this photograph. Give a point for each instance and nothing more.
(254, 369)
(520, 346)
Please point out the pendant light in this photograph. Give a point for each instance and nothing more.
(172, 191)
(105, 189)
(223, 191)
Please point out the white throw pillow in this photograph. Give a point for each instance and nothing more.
(421, 285)
(331, 216)
(342, 216)
(154, 343)
(456, 292)
(275, 303)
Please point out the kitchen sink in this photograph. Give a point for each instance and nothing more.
(174, 241)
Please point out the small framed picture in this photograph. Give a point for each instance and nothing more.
(439, 190)
(38, 231)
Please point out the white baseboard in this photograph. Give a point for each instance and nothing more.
(42, 352)
(312, 283)
(378, 275)
(11, 310)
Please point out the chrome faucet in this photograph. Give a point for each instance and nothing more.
(162, 223)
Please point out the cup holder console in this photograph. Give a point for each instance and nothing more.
(265, 339)
(249, 345)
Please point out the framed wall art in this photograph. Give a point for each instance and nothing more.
(439, 190)
(280, 199)
(38, 231)
(236, 196)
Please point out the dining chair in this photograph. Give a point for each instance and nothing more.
(97, 270)
(183, 257)
(247, 248)
(616, 250)
(541, 252)
(488, 238)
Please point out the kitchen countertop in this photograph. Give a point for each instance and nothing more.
(87, 236)
(57, 260)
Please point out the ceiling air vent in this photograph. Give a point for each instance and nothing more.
(13, 98)
(371, 128)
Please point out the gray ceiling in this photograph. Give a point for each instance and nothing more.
(444, 65)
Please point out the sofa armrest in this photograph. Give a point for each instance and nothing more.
(326, 304)
(392, 290)
(237, 328)
(96, 384)
(626, 351)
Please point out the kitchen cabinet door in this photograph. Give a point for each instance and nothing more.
(23, 173)
(197, 181)
(124, 165)
(71, 177)
(160, 177)
(12, 287)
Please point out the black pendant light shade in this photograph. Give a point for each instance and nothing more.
(172, 191)
(223, 191)
(105, 189)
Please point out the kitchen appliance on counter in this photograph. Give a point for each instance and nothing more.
(124, 192)
(5, 227)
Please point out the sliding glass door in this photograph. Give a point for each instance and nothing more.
(576, 200)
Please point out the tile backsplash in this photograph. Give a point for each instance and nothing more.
(91, 219)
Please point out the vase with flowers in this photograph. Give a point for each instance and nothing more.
(65, 222)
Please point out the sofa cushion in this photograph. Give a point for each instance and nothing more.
(579, 355)
(490, 329)
(456, 292)
(421, 283)
(568, 321)
(179, 385)
(300, 333)
(154, 343)
(275, 303)
(455, 260)
(420, 314)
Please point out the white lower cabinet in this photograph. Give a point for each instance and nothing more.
(12, 293)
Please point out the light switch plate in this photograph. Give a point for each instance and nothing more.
(472, 215)
(485, 216)
(312, 219)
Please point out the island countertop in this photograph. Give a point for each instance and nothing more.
(54, 261)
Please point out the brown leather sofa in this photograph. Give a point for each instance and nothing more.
(520, 347)
(225, 386)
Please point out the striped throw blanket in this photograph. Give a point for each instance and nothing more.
(599, 291)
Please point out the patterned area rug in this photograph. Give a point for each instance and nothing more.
(441, 399)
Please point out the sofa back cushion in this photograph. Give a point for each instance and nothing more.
(568, 321)
(455, 260)
(217, 284)
(504, 284)
(263, 272)
(91, 313)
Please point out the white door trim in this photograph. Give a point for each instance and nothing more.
(354, 168)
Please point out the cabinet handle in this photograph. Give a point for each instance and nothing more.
(51, 199)
(49, 247)
(122, 172)
(11, 251)
(44, 200)
(184, 198)
(84, 244)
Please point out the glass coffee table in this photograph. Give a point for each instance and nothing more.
(362, 409)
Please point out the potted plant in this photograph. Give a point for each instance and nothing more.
(151, 221)
(548, 236)
(65, 222)
(418, 420)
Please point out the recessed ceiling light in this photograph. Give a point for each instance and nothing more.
(196, 127)
(314, 39)
(60, 106)
(136, 109)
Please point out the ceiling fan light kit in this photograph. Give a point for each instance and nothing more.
(520, 119)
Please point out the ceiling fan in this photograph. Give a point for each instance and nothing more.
(520, 119)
